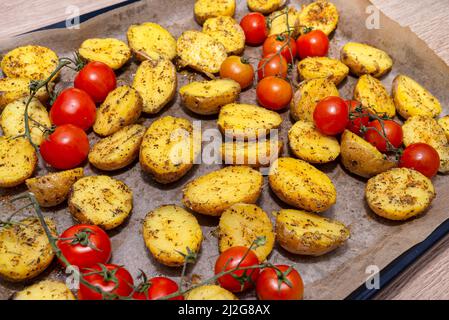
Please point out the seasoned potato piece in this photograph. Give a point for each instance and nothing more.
(241, 224)
(168, 149)
(444, 124)
(168, 231)
(309, 93)
(364, 59)
(411, 99)
(305, 233)
(207, 97)
(205, 9)
(265, 6)
(372, 95)
(278, 22)
(100, 200)
(151, 38)
(301, 185)
(113, 52)
(399, 194)
(226, 31)
(13, 122)
(12, 89)
(200, 51)
(260, 153)
(24, 249)
(30, 62)
(155, 80)
(119, 150)
(45, 290)
(53, 188)
(321, 15)
(210, 292)
(216, 191)
(309, 144)
(247, 121)
(18, 160)
(322, 67)
(361, 157)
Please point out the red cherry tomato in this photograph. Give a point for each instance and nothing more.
(421, 157)
(228, 260)
(237, 69)
(272, 65)
(66, 148)
(361, 117)
(282, 284)
(393, 132)
(255, 28)
(331, 116)
(280, 43)
(274, 93)
(73, 106)
(85, 245)
(97, 79)
(312, 44)
(156, 288)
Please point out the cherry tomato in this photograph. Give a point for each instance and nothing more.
(237, 69)
(97, 79)
(110, 278)
(73, 106)
(280, 43)
(255, 28)
(85, 245)
(312, 44)
(66, 148)
(282, 284)
(331, 116)
(156, 288)
(272, 65)
(361, 117)
(274, 93)
(228, 260)
(421, 157)
(393, 132)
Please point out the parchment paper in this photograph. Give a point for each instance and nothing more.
(374, 241)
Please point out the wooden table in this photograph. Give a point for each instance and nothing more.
(428, 278)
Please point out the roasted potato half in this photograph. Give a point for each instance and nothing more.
(305, 233)
(322, 67)
(113, 52)
(371, 93)
(399, 193)
(210, 292)
(100, 200)
(45, 290)
(207, 97)
(319, 15)
(256, 154)
(25, 251)
(53, 188)
(265, 6)
(301, 185)
(228, 32)
(213, 193)
(169, 232)
(205, 9)
(444, 124)
(12, 89)
(278, 22)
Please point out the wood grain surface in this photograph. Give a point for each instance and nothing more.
(428, 278)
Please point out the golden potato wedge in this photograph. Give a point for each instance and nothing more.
(30, 62)
(18, 160)
(45, 290)
(309, 93)
(255, 154)
(371, 93)
(399, 193)
(411, 99)
(247, 121)
(205, 9)
(100, 200)
(361, 157)
(149, 38)
(12, 89)
(200, 52)
(309, 144)
(265, 6)
(444, 124)
(319, 15)
(322, 67)
(53, 188)
(210, 292)
(118, 150)
(155, 81)
(301, 185)
(277, 22)
(113, 52)
(213, 193)
(13, 123)
(25, 251)
(169, 148)
(365, 59)
(169, 232)
(228, 32)
(207, 97)
(305, 233)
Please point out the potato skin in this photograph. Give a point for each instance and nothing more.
(45, 290)
(210, 292)
(279, 23)
(113, 52)
(365, 59)
(205, 9)
(53, 188)
(372, 95)
(265, 6)
(322, 67)
(320, 15)
(255, 154)
(228, 32)
(12, 89)
(444, 124)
